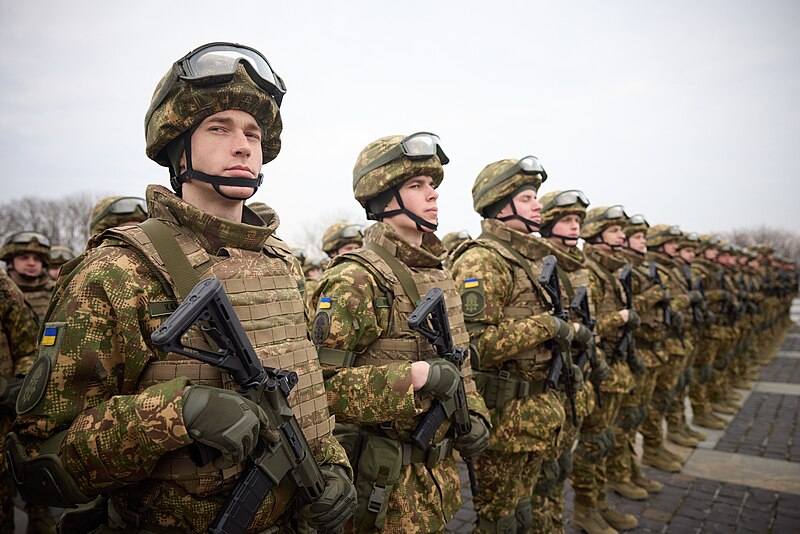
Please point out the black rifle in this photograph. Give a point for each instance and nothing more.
(266, 386)
(580, 307)
(695, 284)
(626, 348)
(430, 319)
(655, 278)
(730, 308)
(561, 363)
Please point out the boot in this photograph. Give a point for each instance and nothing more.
(669, 455)
(589, 520)
(686, 430)
(679, 438)
(731, 404)
(709, 420)
(617, 519)
(661, 463)
(733, 395)
(629, 490)
(720, 407)
(652, 486)
(741, 383)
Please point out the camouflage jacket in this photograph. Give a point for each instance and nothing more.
(17, 329)
(676, 343)
(111, 389)
(37, 292)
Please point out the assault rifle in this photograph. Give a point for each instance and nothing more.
(730, 308)
(697, 311)
(626, 348)
(655, 278)
(430, 319)
(561, 363)
(580, 307)
(266, 386)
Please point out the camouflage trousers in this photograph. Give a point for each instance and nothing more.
(663, 393)
(596, 438)
(506, 482)
(676, 410)
(622, 462)
(7, 490)
(702, 371)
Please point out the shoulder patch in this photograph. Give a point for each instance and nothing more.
(324, 303)
(473, 301)
(471, 282)
(322, 327)
(161, 308)
(34, 385)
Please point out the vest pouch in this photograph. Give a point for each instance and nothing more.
(350, 439)
(498, 389)
(379, 466)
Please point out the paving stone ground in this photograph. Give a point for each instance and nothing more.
(768, 426)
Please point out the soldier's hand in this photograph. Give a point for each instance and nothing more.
(336, 504)
(562, 334)
(9, 391)
(634, 320)
(695, 297)
(443, 379)
(223, 420)
(600, 372)
(584, 338)
(678, 320)
(711, 317)
(578, 374)
(472, 444)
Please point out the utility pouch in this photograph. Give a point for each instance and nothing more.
(502, 388)
(350, 439)
(379, 466)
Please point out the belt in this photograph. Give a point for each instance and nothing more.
(501, 388)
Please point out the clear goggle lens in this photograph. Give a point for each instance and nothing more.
(531, 165)
(22, 238)
(693, 236)
(570, 198)
(61, 255)
(463, 234)
(636, 220)
(126, 205)
(351, 232)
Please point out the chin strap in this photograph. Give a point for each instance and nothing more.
(215, 181)
(532, 226)
(600, 241)
(422, 224)
(628, 246)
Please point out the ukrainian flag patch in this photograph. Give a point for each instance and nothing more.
(50, 335)
(324, 303)
(471, 282)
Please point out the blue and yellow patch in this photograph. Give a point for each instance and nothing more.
(50, 335)
(471, 282)
(324, 303)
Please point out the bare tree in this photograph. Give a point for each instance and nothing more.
(309, 239)
(785, 242)
(65, 221)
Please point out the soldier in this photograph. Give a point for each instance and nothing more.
(27, 254)
(342, 237)
(562, 215)
(59, 255)
(509, 321)
(604, 235)
(116, 211)
(17, 351)
(652, 304)
(117, 415)
(379, 374)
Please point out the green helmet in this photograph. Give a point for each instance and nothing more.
(662, 233)
(114, 211)
(498, 182)
(340, 234)
(689, 239)
(196, 88)
(59, 255)
(558, 204)
(26, 242)
(707, 241)
(600, 218)
(452, 239)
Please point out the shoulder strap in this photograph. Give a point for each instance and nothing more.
(608, 276)
(524, 263)
(175, 261)
(409, 286)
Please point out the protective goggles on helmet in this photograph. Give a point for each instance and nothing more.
(527, 165)
(350, 232)
(610, 214)
(693, 236)
(23, 238)
(122, 206)
(567, 198)
(420, 145)
(463, 234)
(216, 63)
(672, 231)
(61, 254)
(636, 220)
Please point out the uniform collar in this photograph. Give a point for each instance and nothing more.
(610, 260)
(430, 254)
(529, 245)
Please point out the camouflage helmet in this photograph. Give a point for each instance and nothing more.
(26, 242)
(689, 239)
(310, 264)
(340, 234)
(600, 218)
(662, 233)
(725, 247)
(452, 239)
(707, 241)
(384, 164)
(183, 99)
(113, 211)
(498, 181)
(59, 255)
(558, 204)
(635, 224)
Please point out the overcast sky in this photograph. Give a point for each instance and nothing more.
(686, 111)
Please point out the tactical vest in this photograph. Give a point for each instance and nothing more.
(268, 301)
(38, 294)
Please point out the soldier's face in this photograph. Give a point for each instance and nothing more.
(687, 254)
(638, 242)
(419, 197)
(567, 226)
(350, 247)
(28, 264)
(527, 205)
(613, 236)
(227, 143)
(710, 253)
(724, 258)
(671, 248)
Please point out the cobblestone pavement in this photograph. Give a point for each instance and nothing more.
(765, 427)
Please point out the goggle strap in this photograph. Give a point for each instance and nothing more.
(377, 163)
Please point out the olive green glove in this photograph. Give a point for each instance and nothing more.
(562, 334)
(584, 340)
(695, 297)
(600, 372)
(634, 320)
(336, 504)
(475, 442)
(443, 379)
(224, 420)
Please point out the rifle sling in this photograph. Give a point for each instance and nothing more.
(405, 278)
(183, 274)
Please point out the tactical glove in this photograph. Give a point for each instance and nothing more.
(443, 379)
(678, 321)
(9, 391)
(634, 321)
(695, 297)
(336, 504)
(636, 364)
(600, 372)
(223, 420)
(562, 338)
(472, 444)
(578, 374)
(584, 339)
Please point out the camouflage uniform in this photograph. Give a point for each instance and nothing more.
(17, 352)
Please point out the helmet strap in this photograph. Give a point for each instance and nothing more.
(598, 240)
(421, 223)
(532, 226)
